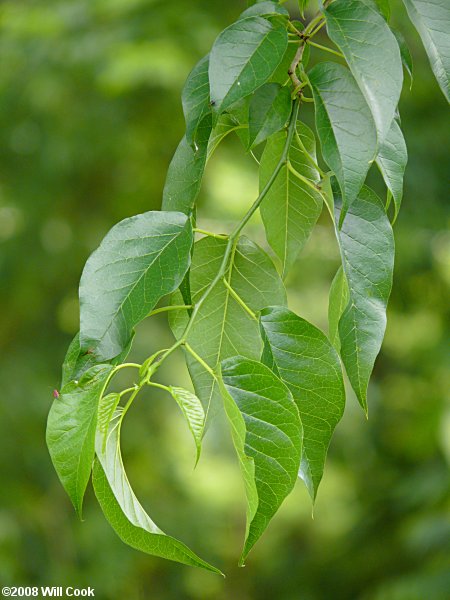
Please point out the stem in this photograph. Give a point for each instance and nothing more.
(308, 155)
(235, 234)
(317, 29)
(199, 359)
(239, 300)
(313, 23)
(326, 49)
(158, 385)
(220, 236)
(292, 72)
(304, 179)
(168, 308)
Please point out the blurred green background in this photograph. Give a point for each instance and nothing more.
(90, 115)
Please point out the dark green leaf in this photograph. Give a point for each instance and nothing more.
(372, 53)
(391, 160)
(345, 126)
(405, 54)
(367, 250)
(193, 412)
(281, 75)
(432, 20)
(71, 431)
(125, 513)
(270, 108)
(264, 8)
(195, 98)
(243, 58)
(140, 260)
(339, 297)
(185, 173)
(222, 327)
(267, 434)
(77, 361)
(303, 358)
(291, 207)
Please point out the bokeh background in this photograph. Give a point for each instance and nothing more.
(90, 115)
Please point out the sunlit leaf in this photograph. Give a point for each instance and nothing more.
(193, 412)
(391, 160)
(125, 513)
(291, 207)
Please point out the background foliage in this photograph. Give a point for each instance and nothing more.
(89, 118)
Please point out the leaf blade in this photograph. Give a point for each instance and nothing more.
(345, 127)
(432, 21)
(290, 208)
(124, 512)
(122, 281)
(309, 366)
(70, 434)
(372, 54)
(270, 108)
(273, 438)
(234, 75)
(195, 98)
(193, 412)
(367, 250)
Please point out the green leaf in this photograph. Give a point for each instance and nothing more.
(71, 431)
(77, 361)
(431, 18)
(384, 8)
(345, 127)
(225, 124)
(222, 327)
(125, 513)
(405, 54)
(291, 207)
(339, 297)
(267, 434)
(264, 8)
(269, 111)
(303, 358)
(367, 251)
(391, 160)
(193, 412)
(106, 409)
(243, 58)
(372, 53)
(302, 5)
(140, 260)
(281, 75)
(185, 173)
(195, 98)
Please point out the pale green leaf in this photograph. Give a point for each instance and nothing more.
(243, 58)
(302, 5)
(269, 112)
(226, 124)
(372, 53)
(106, 409)
(140, 260)
(185, 173)
(125, 513)
(391, 160)
(345, 127)
(291, 207)
(193, 412)
(71, 428)
(222, 327)
(268, 431)
(264, 8)
(303, 358)
(367, 251)
(195, 98)
(384, 8)
(339, 297)
(431, 18)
